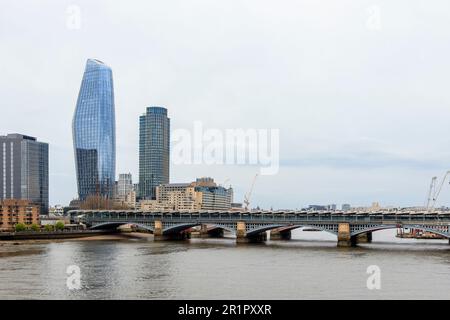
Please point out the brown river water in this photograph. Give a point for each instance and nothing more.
(309, 266)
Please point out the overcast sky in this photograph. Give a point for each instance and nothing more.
(359, 89)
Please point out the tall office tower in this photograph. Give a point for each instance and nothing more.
(24, 169)
(94, 132)
(154, 138)
(124, 185)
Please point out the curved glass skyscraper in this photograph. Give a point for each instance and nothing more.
(94, 132)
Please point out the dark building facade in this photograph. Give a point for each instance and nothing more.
(94, 132)
(24, 169)
(154, 151)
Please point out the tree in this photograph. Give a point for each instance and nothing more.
(35, 227)
(98, 202)
(48, 227)
(20, 227)
(59, 225)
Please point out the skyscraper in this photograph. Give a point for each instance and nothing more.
(154, 139)
(94, 132)
(24, 169)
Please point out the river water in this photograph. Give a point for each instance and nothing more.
(309, 266)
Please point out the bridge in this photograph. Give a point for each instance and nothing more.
(349, 228)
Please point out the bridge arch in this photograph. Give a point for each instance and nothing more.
(327, 228)
(179, 227)
(185, 226)
(438, 230)
(115, 225)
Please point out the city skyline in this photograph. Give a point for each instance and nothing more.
(342, 141)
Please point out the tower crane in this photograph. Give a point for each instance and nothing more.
(225, 182)
(249, 194)
(438, 191)
(431, 191)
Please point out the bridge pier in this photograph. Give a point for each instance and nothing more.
(364, 238)
(214, 233)
(280, 234)
(344, 238)
(242, 237)
(260, 237)
(158, 234)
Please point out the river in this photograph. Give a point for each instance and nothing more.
(309, 266)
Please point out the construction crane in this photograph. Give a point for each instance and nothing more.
(437, 191)
(431, 192)
(249, 194)
(225, 182)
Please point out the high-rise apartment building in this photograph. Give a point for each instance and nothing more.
(94, 132)
(24, 169)
(154, 139)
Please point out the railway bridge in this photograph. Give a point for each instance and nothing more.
(349, 228)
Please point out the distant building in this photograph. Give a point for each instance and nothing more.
(24, 169)
(124, 185)
(375, 206)
(130, 199)
(14, 211)
(125, 194)
(153, 205)
(127, 202)
(203, 194)
(154, 141)
(332, 207)
(57, 210)
(75, 203)
(213, 197)
(136, 188)
(346, 207)
(94, 132)
(52, 220)
(316, 207)
(236, 206)
(177, 196)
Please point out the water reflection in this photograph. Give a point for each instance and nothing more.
(308, 266)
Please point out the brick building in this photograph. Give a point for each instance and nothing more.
(13, 211)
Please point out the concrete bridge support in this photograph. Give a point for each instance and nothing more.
(214, 233)
(280, 234)
(363, 238)
(160, 236)
(344, 238)
(242, 237)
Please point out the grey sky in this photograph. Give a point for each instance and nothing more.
(362, 109)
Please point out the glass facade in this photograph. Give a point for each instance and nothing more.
(154, 140)
(94, 132)
(24, 169)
